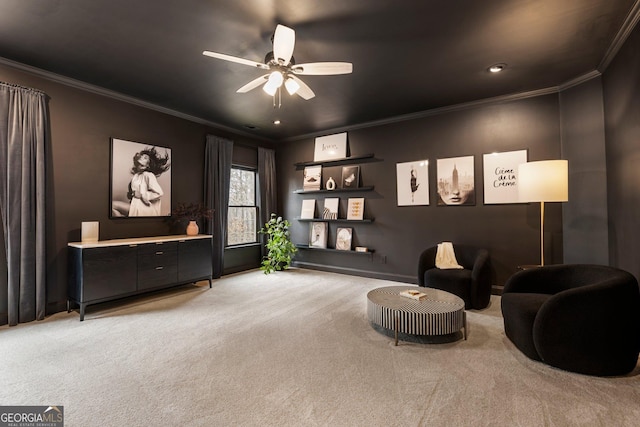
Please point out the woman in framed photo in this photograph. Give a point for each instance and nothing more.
(144, 191)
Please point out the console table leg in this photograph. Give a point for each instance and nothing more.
(82, 307)
(209, 283)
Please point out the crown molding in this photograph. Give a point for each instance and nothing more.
(432, 112)
(77, 84)
(625, 30)
(579, 80)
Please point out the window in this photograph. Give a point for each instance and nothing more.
(242, 221)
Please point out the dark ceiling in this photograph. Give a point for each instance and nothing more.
(408, 56)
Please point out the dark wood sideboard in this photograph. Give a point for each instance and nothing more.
(111, 269)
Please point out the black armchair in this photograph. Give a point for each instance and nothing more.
(580, 318)
(472, 284)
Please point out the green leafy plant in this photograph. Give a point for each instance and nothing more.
(279, 245)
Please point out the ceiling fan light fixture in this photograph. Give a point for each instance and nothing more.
(274, 82)
(291, 85)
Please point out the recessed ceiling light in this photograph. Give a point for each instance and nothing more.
(496, 68)
(276, 122)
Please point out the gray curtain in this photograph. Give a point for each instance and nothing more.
(267, 204)
(24, 129)
(217, 170)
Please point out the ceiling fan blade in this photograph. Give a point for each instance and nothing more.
(304, 91)
(284, 40)
(323, 68)
(253, 84)
(236, 59)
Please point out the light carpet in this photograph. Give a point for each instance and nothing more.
(293, 348)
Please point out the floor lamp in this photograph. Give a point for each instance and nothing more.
(544, 181)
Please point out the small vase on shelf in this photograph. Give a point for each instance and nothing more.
(192, 228)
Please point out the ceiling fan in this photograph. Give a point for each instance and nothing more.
(282, 67)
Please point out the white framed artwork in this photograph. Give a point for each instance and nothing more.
(456, 181)
(412, 181)
(318, 232)
(355, 209)
(500, 171)
(312, 178)
(330, 147)
(330, 208)
(308, 209)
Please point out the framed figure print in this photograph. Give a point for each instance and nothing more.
(500, 171)
(343, 238)
(318, 235)
(456, 183)
(140, 184)
(350, 176)
(412, 180)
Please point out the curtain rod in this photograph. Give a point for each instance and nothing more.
(15, 86)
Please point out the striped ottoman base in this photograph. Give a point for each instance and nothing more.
(441, 313)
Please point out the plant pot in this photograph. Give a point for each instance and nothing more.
(192, 228)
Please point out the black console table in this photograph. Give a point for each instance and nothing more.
(111, 269)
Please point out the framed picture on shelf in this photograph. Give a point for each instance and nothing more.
(308, 209)
(350, 176)
(330, 147)
(312, 178)
(318, 235)
(456, 182)
(343, 238)
(140, 184)
(412, 180)
(355, 209)
(330, 208)
(500, 174)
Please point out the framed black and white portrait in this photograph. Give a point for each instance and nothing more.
(456, 181)
(140, 184)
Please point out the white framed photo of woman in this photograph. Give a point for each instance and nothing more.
(140, 184)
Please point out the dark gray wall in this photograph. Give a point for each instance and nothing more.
(621, 83)
(399, 234)
(78, 166)
(585, 222)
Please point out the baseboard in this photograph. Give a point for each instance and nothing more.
(357, 272)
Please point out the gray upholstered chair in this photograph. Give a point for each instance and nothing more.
(580, 318)
(472, 284)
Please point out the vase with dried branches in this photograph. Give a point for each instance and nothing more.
(190, 213)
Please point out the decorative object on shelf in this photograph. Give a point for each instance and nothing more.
(456, 182)
(140, 180)
(191, 212)
(330, 147)
(90, 231)
(308, 209)
(412, 180)
(362, 249)
(501, 176)
(318, 232)
(350, 177)
(330, 208)
(343, 238)
(355, 208)
(312, 178)
(192, 228)
(544, 181)
(280, 249)
(331, 184)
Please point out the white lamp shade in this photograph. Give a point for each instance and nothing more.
(544, 181)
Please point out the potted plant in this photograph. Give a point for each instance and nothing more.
(279, 245)
(191, 212)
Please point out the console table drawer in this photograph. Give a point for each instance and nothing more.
(157, 265)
